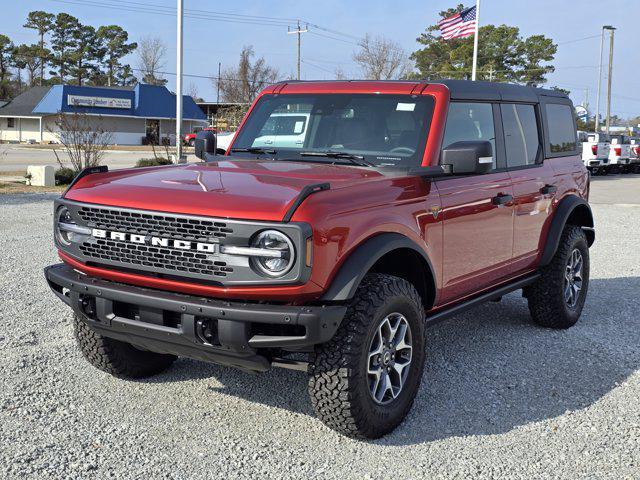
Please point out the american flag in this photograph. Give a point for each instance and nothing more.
(460, 25)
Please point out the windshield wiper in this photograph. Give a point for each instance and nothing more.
(353, 158)
(256, 150)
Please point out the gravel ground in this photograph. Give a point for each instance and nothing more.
(500, 397)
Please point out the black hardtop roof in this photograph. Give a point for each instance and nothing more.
(468, 90)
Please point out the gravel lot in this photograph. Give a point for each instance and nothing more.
(500, 397)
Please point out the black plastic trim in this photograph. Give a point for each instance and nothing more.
(238, 345)
(563, 211)
(493, 294)
(304, 193)
(346, 282)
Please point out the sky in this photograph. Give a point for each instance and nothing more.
(208, 42)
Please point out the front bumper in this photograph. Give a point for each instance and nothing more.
(229, 333)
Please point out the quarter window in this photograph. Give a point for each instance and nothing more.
(521, 139)
(562, 133)
(470, 122)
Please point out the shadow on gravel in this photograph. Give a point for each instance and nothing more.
(488, 371)
(28, 198)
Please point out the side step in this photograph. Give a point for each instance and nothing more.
(496, 293)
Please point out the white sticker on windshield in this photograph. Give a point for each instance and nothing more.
(297, 128)
(406, 107)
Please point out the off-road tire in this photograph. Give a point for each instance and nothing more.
(338, 384)
(120, 359)
(545, 297)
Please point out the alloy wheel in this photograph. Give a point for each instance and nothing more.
(390, 355)
(573, 278)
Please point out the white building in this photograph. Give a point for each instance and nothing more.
(135, 115)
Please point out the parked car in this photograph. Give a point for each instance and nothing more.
(190, 138)
(619, 154)
(595, 152)
(407, 203)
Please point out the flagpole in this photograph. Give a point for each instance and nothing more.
(475, 42)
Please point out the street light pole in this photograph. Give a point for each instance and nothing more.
(179, 156)
(611, 33)
(597, 119)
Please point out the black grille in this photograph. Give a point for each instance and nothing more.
(158, 257)
(160, 225)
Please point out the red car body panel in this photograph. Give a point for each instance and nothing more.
(473, 244)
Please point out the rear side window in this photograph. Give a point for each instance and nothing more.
(562, 134)
(521, 138)
(470, 122)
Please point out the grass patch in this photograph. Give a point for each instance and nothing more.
(7, 187)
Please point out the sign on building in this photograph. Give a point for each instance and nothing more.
(99, 102)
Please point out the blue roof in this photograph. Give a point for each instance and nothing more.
(146, 101)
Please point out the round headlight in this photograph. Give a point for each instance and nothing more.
(63, 218)
(284, 253)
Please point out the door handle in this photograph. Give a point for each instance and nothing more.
(548, 189)
(501, 199)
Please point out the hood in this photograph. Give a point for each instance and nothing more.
(239, 189)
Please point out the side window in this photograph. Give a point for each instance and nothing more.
(521, 139)
(469, 122)
(562, 134)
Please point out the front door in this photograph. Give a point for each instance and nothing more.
(477, 210)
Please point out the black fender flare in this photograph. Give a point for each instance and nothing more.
(346, 282)
(569, 205)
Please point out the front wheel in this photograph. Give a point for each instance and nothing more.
(556, 299)
(117, 358)
(364, 380)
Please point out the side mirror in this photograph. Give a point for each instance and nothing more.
(205, 144)
(468, 157)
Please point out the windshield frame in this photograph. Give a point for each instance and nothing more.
(378, 159)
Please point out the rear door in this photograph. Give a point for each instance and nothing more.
(532, 180)
(477, 209)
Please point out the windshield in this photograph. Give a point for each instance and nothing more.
(373, 130)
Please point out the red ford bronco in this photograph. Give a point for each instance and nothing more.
(397, 205)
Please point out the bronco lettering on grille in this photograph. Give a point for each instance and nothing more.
(154, 241)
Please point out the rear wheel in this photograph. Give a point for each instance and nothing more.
(363, 381)
(118, 358)
(556, 299)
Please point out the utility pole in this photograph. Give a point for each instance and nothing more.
(299, 32)
(217, 96)
(611, 33)
(597, 122)
(179, 156)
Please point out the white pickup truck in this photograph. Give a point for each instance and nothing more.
(619, 154)
(595, 152)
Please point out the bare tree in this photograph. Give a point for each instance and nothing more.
(151, 60)
(192, 91)
(84, 143)
(242, 83)
(382, 59)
